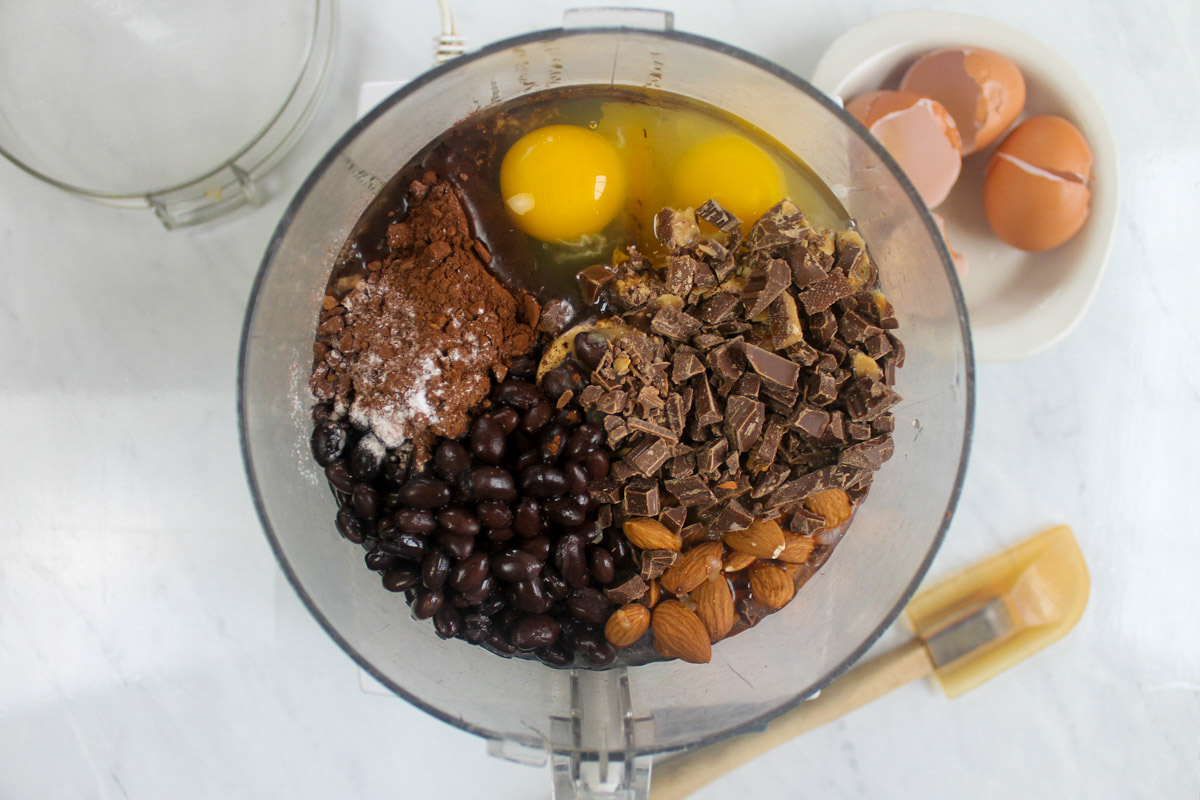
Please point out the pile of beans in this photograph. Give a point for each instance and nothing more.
(493, 540)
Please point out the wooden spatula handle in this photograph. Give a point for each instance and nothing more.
(680, 776)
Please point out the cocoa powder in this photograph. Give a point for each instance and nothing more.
(411, 348)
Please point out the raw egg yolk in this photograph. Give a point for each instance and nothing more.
(732, 170)
(562, 182)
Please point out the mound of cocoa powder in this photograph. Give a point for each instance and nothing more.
(417, 342)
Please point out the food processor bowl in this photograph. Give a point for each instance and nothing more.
(617, 717)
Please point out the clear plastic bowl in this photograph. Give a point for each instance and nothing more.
(527, 708)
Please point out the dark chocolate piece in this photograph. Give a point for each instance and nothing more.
(715, 214)
(887, 314)
(803, 353)
(707, 341)
(645, 426)
(675, 415)
(725, 360)
(838, 350)
(611, 402)
(744, 419)
(681, 272)
(858, 431)
(718, 307)
(877, 345)
(764, 286)
(707, 412)
(593, 281)
(729, 517)
(681, 466)
(781, 224)
(823, 294)
(690, 491)
(605, 490)
(675, 228)
(771, 479)
(747, 385)
(730, 486)
(855, 328)
(648, 455)
(710, 455)
(819, 388)
(622, 471)
(867, 398)
(897, 350)
(884, 424)
(673, 518)
(835, 433)
(604, 516)
(641, 498)
(656, 562)
(869, 454)
(590, 395)
(805, 522)
(615, 430)
(822, 326)
(772, 368)
(806, 268)
(762, 455)
(626, 591)
(803, 486)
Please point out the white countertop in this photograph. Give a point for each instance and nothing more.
(150, 648)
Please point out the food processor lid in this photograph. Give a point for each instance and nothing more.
(170, 105)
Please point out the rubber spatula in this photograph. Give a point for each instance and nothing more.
(967, 630)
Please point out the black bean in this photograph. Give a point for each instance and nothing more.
(494, 514)
(582, 501)
(406, 545)
(456, 545)
(570, 418)
(450, 459)
(597, 464)
(492, 604)
(338, 475)
(391, 501)
(366, 501)
(468, 573)
(589, 349)
(529, 596)
(497, 641)
(475, 628)
(425, 493)
(554, 584)
(557, 655)
(434, 569)
(508, 618)
(507, 419)
(534, 631)
(584, 441)
(415, 520)
(350, 526)
(577, 477)
(570, 560)
(487, 440)
(458, 520)
(566, 376)
(328, 441)
(517, 394)
(394, 471)
(539, 547)
(527, 460)
(446, 622)
(484, 589)
(590, 531)
(500, 534)
(401, 579)
(381, 560)
(595, 649)
(543, 481)
(463, 488)
(552, 442)
(427, 604)
(618, 547)
(537, 418)
(589, 605)
(527, 519)
(321, 411)
(524, 368)
(516, 565)
(600, 565)
(565, 511)
(366, 458)
(493, 483)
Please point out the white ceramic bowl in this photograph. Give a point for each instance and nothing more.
(1020, 303)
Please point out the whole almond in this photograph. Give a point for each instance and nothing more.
(736, 561)
(796, 548)
(653, 594)
(714, 607)
(763, 539)
(627, 624)
(679, 633)
(650, 534)
(771, 585)
(693, 568)
(832, 504)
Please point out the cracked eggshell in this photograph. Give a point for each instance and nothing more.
(919, 133)
(1035, 192)
(982, 89)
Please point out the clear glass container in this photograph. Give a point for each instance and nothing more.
(608, 721)
(175, 106)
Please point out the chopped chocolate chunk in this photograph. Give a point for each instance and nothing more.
(590, 395)
(733, 461)
(611, 402)
(681, 466)
(827, 362)
(729, 486)
(731, 327)
(604, 516)
(803, 353)
(711, 249)
(747, 385)
(805, 522)
(715, 214)
(771, 479)
(744, 419)
(710, 454)
(681, 272)
(641, 497)
(877, 345)
(615, 430)
(707, 341)
(838, 350)
(762, 455)
(605, 490)
(649, 399)
(888, 363)
(884, 424)
(690, 491)
(765, 285)
(676, 229)
(725, 360)
(858, 431)
(622, 471)
(753, 611)
(781, 224)
(626, 590)
(868, 455)
(772, 368)
(724, 268)
(823, 326)
(706, 408)
(855, 328)
(649, 454)
(806, 267)
(728, 517)
(819, 388)
(645, 426)
(784, 320)
(718, 307)
(684, 364)
(887, 314)
(673, 518)
(593, 281)
(656, 562)
(897, 350)
(835, 433)
(675, 414)
(822, 294)
(867, 398)
(800, 488)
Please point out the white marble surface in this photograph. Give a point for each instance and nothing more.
(148, 648)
